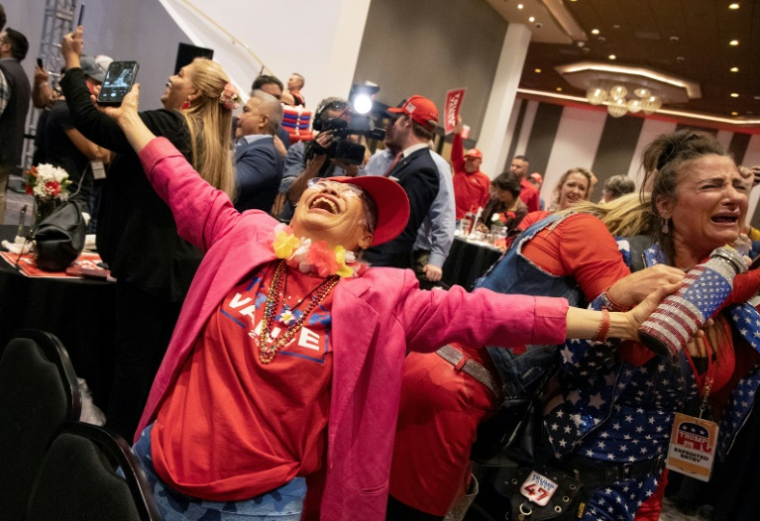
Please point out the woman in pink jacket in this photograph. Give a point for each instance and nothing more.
(285, 365)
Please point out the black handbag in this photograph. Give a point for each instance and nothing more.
(59, 238)
(515, 430)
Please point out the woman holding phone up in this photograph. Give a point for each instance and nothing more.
(136, 233)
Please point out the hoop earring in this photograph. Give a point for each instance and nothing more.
(665, 228)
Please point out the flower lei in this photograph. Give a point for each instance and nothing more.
(314, 257)
(230, 97)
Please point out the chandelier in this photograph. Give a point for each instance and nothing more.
(618, 105)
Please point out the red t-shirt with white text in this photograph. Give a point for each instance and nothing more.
(232, 428)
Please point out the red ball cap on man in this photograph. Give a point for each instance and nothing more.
(474, 153)
(420, 109)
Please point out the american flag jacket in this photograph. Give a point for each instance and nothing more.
(606, 409)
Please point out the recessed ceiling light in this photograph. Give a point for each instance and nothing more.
(734, 113)
(538, 71)
(532, 19)
(734, 94)
(733, 6)
(559, 89)
(616, 26)
(594, 31)
(757, 97)
(519, 6)
(734, 69)
(612, 57)
(734, 42)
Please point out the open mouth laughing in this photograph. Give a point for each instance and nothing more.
(325, 203)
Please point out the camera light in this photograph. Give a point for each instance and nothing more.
(362, 104)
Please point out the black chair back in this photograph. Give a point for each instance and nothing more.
(78, 480)
(38, 393)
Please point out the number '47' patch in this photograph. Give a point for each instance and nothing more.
(538, 488)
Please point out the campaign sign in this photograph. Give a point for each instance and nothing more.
(538, 488)
(454, 99)
(692, 446)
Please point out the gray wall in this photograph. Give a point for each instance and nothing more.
(138, 30)
(427, 47)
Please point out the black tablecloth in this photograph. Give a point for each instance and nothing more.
(467, 262)
(80, 312)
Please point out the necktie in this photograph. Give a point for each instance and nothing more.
(393, 163)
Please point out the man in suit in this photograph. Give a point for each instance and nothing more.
(416, 171)
(15, 94)
(258, 165)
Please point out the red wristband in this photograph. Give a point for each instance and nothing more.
(604, 327)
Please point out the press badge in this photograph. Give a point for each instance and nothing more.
(693, 444)
(98, 170)
(538, 488)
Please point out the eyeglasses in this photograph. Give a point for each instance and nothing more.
(320, 183)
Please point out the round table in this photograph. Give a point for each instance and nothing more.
(468, 261)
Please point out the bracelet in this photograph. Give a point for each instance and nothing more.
(604, 327)
(611, 304)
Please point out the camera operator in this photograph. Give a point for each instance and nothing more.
(308, 159)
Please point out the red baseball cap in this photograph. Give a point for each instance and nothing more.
(391, 201)
(421, 110)
(474, 152)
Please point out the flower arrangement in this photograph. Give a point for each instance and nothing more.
(315, 258)
(50, 187)
(230, 97)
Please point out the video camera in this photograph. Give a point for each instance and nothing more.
(345, 150)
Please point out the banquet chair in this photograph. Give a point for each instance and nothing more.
(79, 479)
(38, 393)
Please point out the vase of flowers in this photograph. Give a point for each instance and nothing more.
(50, 187)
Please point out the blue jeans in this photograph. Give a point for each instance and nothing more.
(281, 504)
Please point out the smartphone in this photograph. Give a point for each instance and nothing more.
(119, 80)
(81, 15)
(39, 63)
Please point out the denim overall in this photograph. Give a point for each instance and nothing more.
(514, 274)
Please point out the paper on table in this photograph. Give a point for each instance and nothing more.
(19, 245)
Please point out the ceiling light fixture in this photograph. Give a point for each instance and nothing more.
(734, 69)
(538, 71)
(612, 57)
(734, 113)
(519, 6)
(733, 6)
(691, 88)
(734, 95)
(734, 42)
(618, 106)
(594, 31)
(532, 19)
(559, 89)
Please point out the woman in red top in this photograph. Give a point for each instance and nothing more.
(573, 187)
